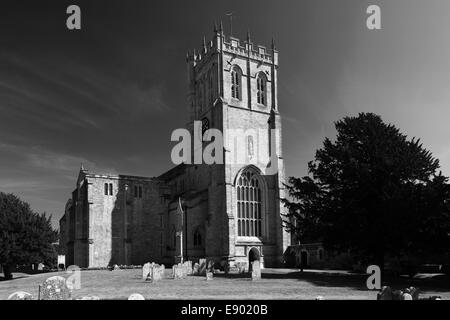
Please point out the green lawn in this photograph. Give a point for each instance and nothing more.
(275, 284)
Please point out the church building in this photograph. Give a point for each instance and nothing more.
(229, 212)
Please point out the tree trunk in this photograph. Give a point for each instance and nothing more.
(7, 272)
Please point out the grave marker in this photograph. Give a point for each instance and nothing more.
(256, 270)
(54, 288)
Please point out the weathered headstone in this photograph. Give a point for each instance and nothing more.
(116, 267)
(40, 267)
(54, 288)
(136, 296)
(146, 270)
(226, 268)
(385, 294)
(256, 270)
(89, 298)
(202, 266)
(414, 292)
(210, 265)
(209, 276)
(188, 267)
(157, 272)
(20, 295)
(397, 295)
(178, 271)
(196, 269)
(406, 296)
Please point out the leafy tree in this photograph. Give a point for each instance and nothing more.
(372, 191)
(26, 237)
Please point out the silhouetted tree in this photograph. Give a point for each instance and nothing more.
(373, 192)
(26, 237)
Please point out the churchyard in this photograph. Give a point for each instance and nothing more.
(156, 282)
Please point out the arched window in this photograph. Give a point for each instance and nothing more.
(197, 238)
(261, 90)
(236, 83)
(249, 205)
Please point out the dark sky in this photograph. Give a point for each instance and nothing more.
(110, 95)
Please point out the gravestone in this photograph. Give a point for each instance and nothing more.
(196, 268)
(385, 294)
(157, 272)
(146, 270)
(414, 292)
(202, 266)
(397, 295)
(406, 296)
(256, 270)
(40, 267)
(54, 288)
(20, 295)
(226, 268)
(136, 296)
(188, 267)
(89, 298)
(210, 266)
(178, 271)
(209, 276)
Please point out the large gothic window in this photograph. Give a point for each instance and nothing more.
(249, 205)
(236, 83)
(261, 91)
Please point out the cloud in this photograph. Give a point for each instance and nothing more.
(36, 157)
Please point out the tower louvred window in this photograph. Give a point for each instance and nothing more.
(261, 91)
(236, 83)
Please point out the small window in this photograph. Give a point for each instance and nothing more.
(110, 189)
(140, 192)
(106, 189)
(135, 191)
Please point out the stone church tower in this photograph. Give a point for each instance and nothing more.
(232, 209)
(233, 88)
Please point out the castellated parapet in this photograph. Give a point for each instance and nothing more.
(234, 46)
